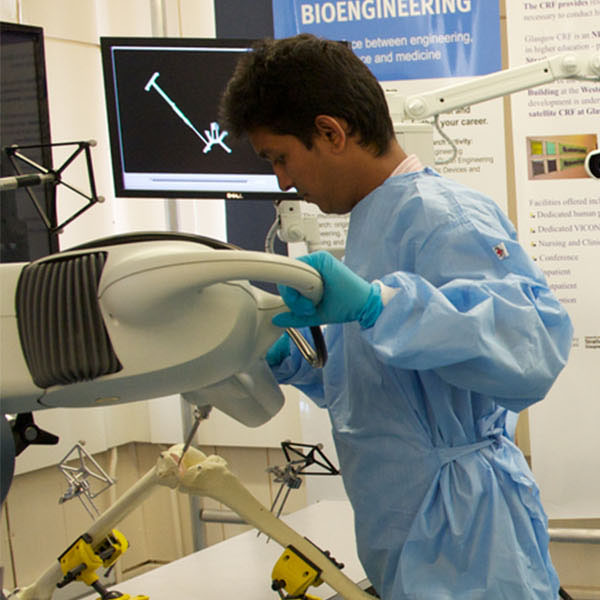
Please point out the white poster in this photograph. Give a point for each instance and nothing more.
(555, 126)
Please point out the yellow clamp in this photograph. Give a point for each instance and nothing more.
(113, 546)
(81, 560)
(295, 573)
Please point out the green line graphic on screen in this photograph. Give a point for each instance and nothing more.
(210, 138)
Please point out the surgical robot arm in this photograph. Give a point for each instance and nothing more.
(141, 317)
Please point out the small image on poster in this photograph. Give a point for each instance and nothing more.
(559, 156)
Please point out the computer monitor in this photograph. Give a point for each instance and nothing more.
(162, 97)
(25, 122)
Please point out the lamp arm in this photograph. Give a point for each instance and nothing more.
(579, 66)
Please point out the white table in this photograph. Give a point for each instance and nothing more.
(240, 567)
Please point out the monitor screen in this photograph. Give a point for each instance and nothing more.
(25, 123)
(162, 97)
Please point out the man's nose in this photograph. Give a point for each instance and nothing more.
(283, 180)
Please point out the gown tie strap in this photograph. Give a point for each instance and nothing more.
(447, 454)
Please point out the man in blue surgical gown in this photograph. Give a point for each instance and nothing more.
(438, 327)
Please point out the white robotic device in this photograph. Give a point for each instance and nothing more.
(143, 316)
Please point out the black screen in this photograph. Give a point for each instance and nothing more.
(24, 121)
(162, 98)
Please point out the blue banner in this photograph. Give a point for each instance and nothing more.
(403, 39)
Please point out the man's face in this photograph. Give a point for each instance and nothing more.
(311, 172)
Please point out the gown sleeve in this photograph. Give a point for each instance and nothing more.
(477, 311)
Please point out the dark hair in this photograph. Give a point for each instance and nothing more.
(284, 84)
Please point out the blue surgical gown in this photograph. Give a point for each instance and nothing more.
(445, 505)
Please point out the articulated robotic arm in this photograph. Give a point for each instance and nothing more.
(143, 316)
(563, 66)
(138, 317)
(408, 112)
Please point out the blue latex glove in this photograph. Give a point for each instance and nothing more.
(279, 351)
(346, 297)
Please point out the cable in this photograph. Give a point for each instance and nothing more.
(316, 357)
(436, 124)
(271, 235)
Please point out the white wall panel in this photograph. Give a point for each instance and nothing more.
(127, 422)
(118, 18)
(165, 420)
(197, 18)
(67, 19)
(75, 97)
(203, 217)
(8, 11)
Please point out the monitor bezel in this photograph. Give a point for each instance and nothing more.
(121, 191)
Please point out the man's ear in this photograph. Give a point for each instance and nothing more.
(332, 130)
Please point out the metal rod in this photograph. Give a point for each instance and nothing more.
(574, 535)
(220, 516)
